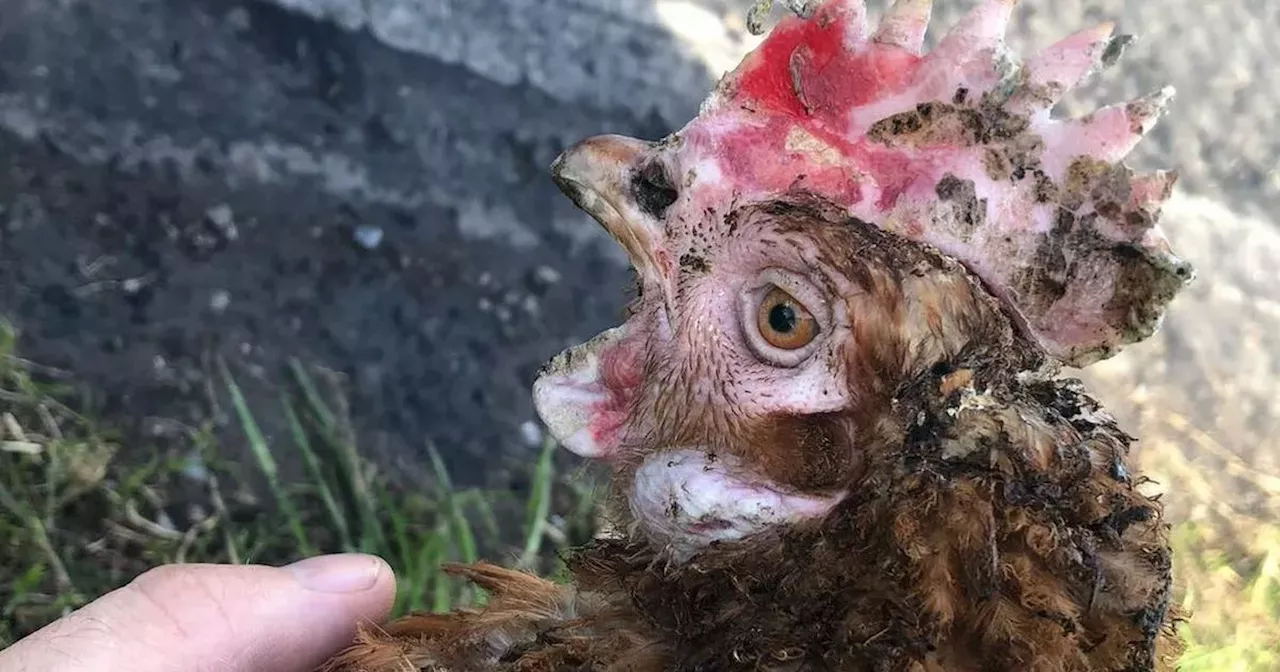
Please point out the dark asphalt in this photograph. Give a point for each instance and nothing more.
(132, 130)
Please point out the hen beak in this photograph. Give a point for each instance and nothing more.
(598, 174)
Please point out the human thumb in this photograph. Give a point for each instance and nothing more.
(236, 618)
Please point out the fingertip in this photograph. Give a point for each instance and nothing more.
(361, 587)
(343, 573)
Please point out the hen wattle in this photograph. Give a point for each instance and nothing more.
(834, 417)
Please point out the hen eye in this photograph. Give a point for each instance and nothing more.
(783, 317)
(784, 323)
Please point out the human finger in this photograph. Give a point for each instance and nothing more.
(233, 618)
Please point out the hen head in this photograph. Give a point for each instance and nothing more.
(847, 218)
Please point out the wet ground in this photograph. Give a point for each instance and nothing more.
(363, 185)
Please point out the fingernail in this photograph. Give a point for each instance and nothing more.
(341, 573)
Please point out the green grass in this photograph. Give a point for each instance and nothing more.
(75, 521)
(1233, 597)
(1226, 561)
(350, 510)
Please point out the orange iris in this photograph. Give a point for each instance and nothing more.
(784, 322)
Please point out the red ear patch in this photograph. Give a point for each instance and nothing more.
(584, 395)
(621, 371)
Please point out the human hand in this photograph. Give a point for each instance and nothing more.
(228, 618)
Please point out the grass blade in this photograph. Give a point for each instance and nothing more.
(460, 528)
(403, 555)
(1264, 594)
(312, 395)
(428, 563)
(39, 536)
(336, 514)
(539, 506)
(483, 503)
(442, 600)
(262, 453)
(372, 537)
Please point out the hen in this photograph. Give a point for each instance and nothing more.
(834, 416)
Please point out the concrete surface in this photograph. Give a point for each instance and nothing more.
(188, 177)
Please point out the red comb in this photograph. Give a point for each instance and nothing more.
(954, 148)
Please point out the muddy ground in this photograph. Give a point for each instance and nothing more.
(363, 185)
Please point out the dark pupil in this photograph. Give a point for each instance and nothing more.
(782, 318)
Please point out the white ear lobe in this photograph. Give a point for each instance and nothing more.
(584, 394)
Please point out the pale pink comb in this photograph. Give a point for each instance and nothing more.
(955, 148)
